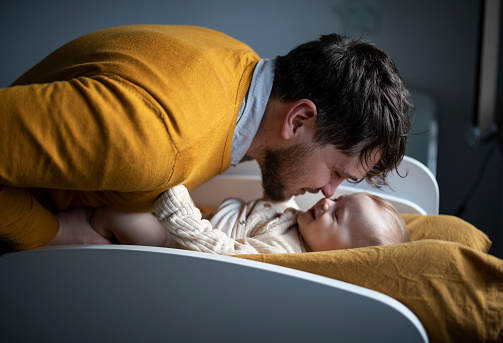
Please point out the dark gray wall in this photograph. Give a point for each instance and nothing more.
(432, 42)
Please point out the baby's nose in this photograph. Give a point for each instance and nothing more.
(324, 205)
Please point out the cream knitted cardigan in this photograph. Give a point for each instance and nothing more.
(267, 231)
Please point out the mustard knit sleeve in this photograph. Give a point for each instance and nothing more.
(75, 135)
(89, 133)
(24, 223)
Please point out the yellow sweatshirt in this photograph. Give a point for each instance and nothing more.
(115, 118)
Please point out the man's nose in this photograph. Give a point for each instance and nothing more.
(329, 189)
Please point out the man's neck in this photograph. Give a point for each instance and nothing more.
(269, 131)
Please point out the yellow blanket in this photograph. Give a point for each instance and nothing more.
(444, 275)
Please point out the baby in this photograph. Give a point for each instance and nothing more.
(260, 226)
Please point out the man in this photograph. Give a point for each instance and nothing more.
(117, 117)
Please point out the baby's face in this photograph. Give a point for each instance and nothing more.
(339, 224)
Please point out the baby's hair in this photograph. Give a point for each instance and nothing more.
(400, 234)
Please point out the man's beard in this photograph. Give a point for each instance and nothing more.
(282, 168)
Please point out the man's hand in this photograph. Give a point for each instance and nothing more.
(75, 228)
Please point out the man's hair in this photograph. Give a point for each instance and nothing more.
(362, 103)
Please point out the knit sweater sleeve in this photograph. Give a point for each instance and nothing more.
(177, 213)
(22, 231)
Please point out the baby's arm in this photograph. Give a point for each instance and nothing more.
(128, 228)
(178, 214)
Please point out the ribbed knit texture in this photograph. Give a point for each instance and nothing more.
(275, 233)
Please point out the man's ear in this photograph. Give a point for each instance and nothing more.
(297, 116)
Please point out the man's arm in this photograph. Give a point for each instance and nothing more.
(52, 136)
(19, 230)
(26, 224)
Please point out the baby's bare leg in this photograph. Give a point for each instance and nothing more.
(129, 228)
